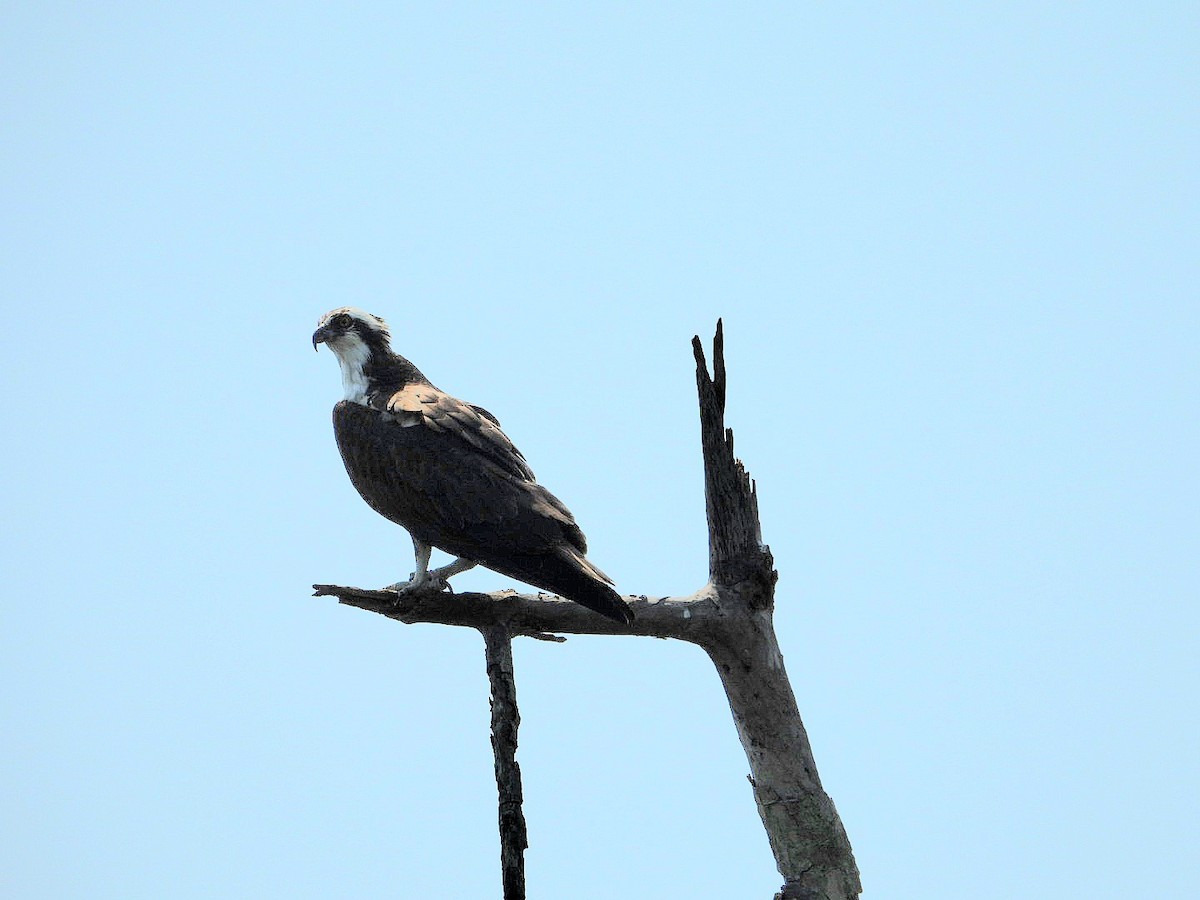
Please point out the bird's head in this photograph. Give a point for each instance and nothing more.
(350, 332)
(361, 343)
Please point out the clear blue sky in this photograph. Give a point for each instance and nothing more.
(956, 252)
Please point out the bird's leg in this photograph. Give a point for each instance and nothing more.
(418, 578)
(441, 576)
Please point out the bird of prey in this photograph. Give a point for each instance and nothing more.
(444, 470)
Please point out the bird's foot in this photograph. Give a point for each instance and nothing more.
(414, 583)
(432, 580)
(437, 583)
(439, 579)
(441, 576)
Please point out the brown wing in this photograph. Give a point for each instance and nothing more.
(460, 486)
(451, 477)
(426, 406)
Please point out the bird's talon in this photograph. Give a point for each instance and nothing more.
(406, 587)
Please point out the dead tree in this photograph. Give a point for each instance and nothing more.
(731, 618)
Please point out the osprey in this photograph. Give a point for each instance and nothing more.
(444, 470)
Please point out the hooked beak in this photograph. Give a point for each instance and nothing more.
(320, 336)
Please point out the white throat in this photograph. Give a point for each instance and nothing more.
(352, 355)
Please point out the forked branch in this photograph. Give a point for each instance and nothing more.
(731, 618)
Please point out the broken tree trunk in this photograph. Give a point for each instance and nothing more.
(806, 834)
(731, 618)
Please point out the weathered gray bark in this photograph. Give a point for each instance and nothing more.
(810, 845)
(731, 618)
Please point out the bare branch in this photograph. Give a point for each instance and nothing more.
(536, 615)
(505, 721)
